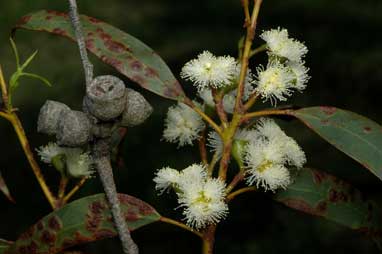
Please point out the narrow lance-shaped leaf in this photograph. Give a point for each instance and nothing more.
(320, 194)
(125, 53)
(4, 244)
(4, 189)
(84, 220)
(353, 134)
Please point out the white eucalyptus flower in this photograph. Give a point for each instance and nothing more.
(182, 125)
(267, 155)
(204, 203)
(279, 44)
(166, 178)
(209, 71)
(48, 152)
(196, 173)
(78, 163)
(230, 98)
(275, 82)
(300, 73)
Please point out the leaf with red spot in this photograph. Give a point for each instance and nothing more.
(320, 194)
(353, 134)
(82, 221)
(125, 53)
(4, 244)
(4, 189)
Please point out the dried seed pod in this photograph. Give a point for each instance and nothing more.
(137, 109)
(73, 128)
(102, 130)
(49, 116)
(105, 97)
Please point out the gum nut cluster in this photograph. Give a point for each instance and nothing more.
(107, 104)
(182, 124)
(286, 71)
(202, 198)
(268, 154)
(78, 163)
(209, 71)
(230, 98)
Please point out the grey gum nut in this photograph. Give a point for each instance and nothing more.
(73, 129)
(105, 97)
(49, 116)
(137, 109)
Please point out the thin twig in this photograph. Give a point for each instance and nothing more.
(204, 116)
(181, 225)
(102, 163)
(251, 27)
(15, 121)
(75, 20)
(202, 147)
(240, 191)
(252, 99)
(248, 116)
(74, 190)
(4, 91)
(237, 179)
(218, 99)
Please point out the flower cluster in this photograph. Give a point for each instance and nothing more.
(77, 162)
(267, 155)
(286, 70)
(201, 197)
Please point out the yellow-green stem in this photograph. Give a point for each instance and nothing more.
(209, 240)
(181, 225)
(74, 190)
(240, 191)
(248, 116)
(29, 154)
(251, 27)
(204, 116)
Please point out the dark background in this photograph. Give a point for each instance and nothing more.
(345, 58)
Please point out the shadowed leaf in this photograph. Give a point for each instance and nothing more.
(353, 134)
(4, 244)
(4, 189)
(82, 221)
(320, 194)
(124, 52)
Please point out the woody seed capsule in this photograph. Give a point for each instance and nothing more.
(49, 116)
(73, 129)
(105, 97)
(137, 109)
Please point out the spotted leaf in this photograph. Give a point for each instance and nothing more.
(82, 221)
(125, 53)
(320, 194)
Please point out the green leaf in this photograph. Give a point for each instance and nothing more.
(4, 245)
(35, 76)
(4, 189)
(320, 194)
(82, 221)
(29, 60)
(124, 52)
(353, 134)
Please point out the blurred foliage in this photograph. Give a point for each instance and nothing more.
(345, 58)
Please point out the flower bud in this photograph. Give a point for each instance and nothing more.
(49, 116)
(73, 128)
(105, 97)
(137, 109)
